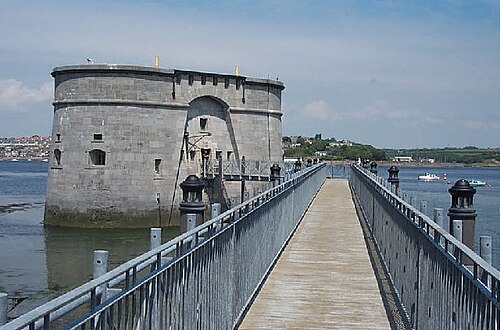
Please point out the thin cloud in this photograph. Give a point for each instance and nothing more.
(14, 93)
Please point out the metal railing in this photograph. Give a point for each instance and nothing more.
(241, 167)
(203, 279)
(441, 283)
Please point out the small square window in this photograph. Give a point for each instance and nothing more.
(157, 166)
(215, 81)
(203, 123)
(97, 137)
(203, 80)
(228, 154)
(218, 154)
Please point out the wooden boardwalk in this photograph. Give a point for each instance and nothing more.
(324, 278)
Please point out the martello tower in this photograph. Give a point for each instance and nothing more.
(122, 134)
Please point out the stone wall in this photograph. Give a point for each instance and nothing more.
(124, 137)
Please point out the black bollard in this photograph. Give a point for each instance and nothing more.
(373, 167)
(462, 208)
(297, 166)
(393, 178)
(275, 174)
(192, 203)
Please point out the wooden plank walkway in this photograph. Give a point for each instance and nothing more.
(324, 278)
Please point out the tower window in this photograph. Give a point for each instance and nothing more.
(97, 157)
(157, 166)
(226, 82)
(203, 123)
(58, 137)
(238, 84)
(192, 154)
(178, 80)
(57, 156)
(203, 80)
(228, 154)
(218, 154)
(215, 81)
(97, 137)
(190, 79)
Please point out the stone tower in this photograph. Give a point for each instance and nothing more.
(123, 136)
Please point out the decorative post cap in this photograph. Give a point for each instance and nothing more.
(373, 167)
(275, 171)
(297, 166)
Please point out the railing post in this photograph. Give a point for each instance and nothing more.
(4, 307)
(457, 233)
(154, 238)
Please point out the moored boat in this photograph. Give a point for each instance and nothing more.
(428, 177)
(478, 183)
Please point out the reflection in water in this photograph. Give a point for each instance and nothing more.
(69, 251)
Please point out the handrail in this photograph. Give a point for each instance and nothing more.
(91, 291)
(440, 282)
(436, 228)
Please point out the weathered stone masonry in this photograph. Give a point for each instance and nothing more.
(118, 132)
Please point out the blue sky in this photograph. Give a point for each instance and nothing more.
(389, 73)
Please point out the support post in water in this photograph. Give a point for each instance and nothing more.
(423, 207)
(4, 307)
(215, 210)
(485, 248)
(101, 268)
(155, 238)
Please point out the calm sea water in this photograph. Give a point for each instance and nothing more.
(486, 199)
(37, 262)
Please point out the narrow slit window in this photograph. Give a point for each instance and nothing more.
(203, 80)
(97, 157)
(57, 156)
(226, 83)
(215, 81)
(178, 80)
(203, 123)
(192, 154)
(238, 84)
(157, 166)
(97, 137)
(191, 79)
(58, 137)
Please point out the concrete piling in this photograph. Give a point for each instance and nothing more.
(4, 307)
(155, 238)
(423, 207)
(215, 210)
(485, 248)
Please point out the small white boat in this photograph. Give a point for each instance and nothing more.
(428, 177)
(14, 160)
(478, 183)
(45, 160)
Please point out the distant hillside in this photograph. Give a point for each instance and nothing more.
(465, 155)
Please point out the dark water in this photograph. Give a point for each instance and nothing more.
(486, 199)
(38, 262)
